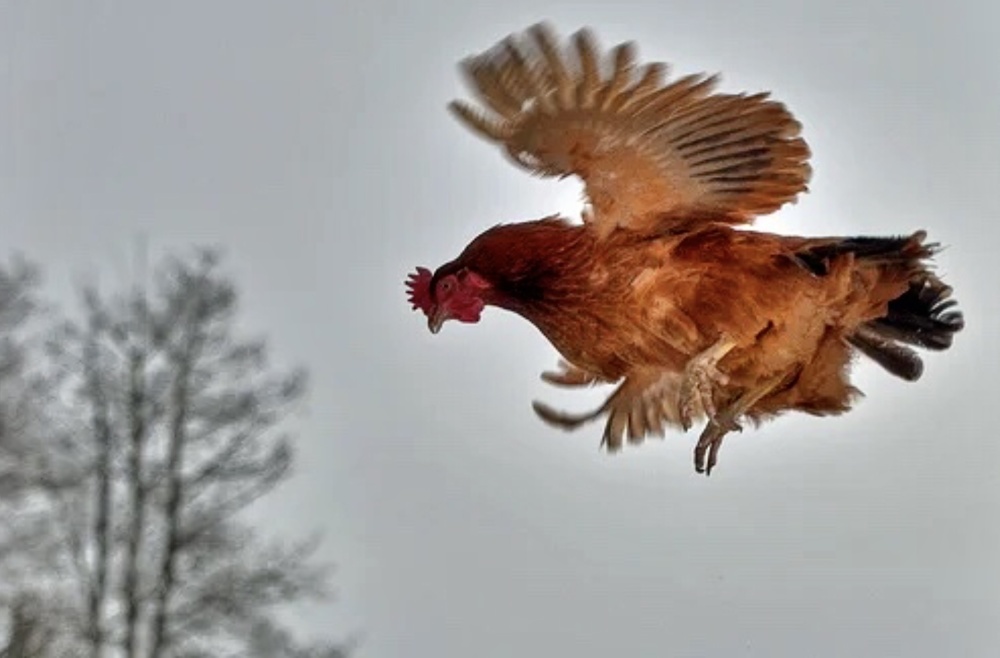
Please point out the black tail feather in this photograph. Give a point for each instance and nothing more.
(817, 256)
(897, 359)
(921, 316)
(924, 316)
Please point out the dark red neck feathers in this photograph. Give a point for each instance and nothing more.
(527, 263)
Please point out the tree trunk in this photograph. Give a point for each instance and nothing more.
(102, 518)
(131, 596)
(175, 485)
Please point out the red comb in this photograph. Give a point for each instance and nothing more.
(418, 286)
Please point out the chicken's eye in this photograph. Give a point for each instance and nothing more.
(445, 285)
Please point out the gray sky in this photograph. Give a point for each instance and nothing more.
(310, 138)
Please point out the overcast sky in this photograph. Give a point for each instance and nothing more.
(311, 140)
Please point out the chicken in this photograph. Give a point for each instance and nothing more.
(660, 289)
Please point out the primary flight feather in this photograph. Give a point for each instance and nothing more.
(655, 290)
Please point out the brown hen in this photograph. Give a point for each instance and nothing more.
(656, 290)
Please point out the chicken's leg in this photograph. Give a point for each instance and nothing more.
(725, 422)
(701, 376)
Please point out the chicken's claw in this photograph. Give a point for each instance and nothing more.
(711, 440)
(701, 377)
(725, 422)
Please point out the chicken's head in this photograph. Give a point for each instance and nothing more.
(449, 294)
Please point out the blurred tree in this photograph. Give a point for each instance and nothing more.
(33, 466)
(18, 412)
(24, 391)
(270, 641)
(171, 426)
(27, 635)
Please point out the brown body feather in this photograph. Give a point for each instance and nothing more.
(633, 304)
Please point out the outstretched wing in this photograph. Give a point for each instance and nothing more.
(651, 154)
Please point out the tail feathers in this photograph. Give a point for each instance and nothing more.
(817, 254)
(922, 316)
(897, 359)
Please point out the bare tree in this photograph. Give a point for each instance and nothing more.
(177, 428)
(20, 465)
(33, 466)
(18, 282)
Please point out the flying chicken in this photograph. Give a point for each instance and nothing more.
(659, 289)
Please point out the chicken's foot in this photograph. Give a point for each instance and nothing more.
(724, 422)
(701, 376)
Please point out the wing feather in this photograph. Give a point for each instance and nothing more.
(480, 123)
(561, 85)
(624, 59)
(644, 405)
(651, 80)
(589, 81)
(651, 153)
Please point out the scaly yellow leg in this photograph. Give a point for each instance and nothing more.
(701, 376)
(725, 422)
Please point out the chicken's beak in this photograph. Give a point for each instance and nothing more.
(435, 319)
